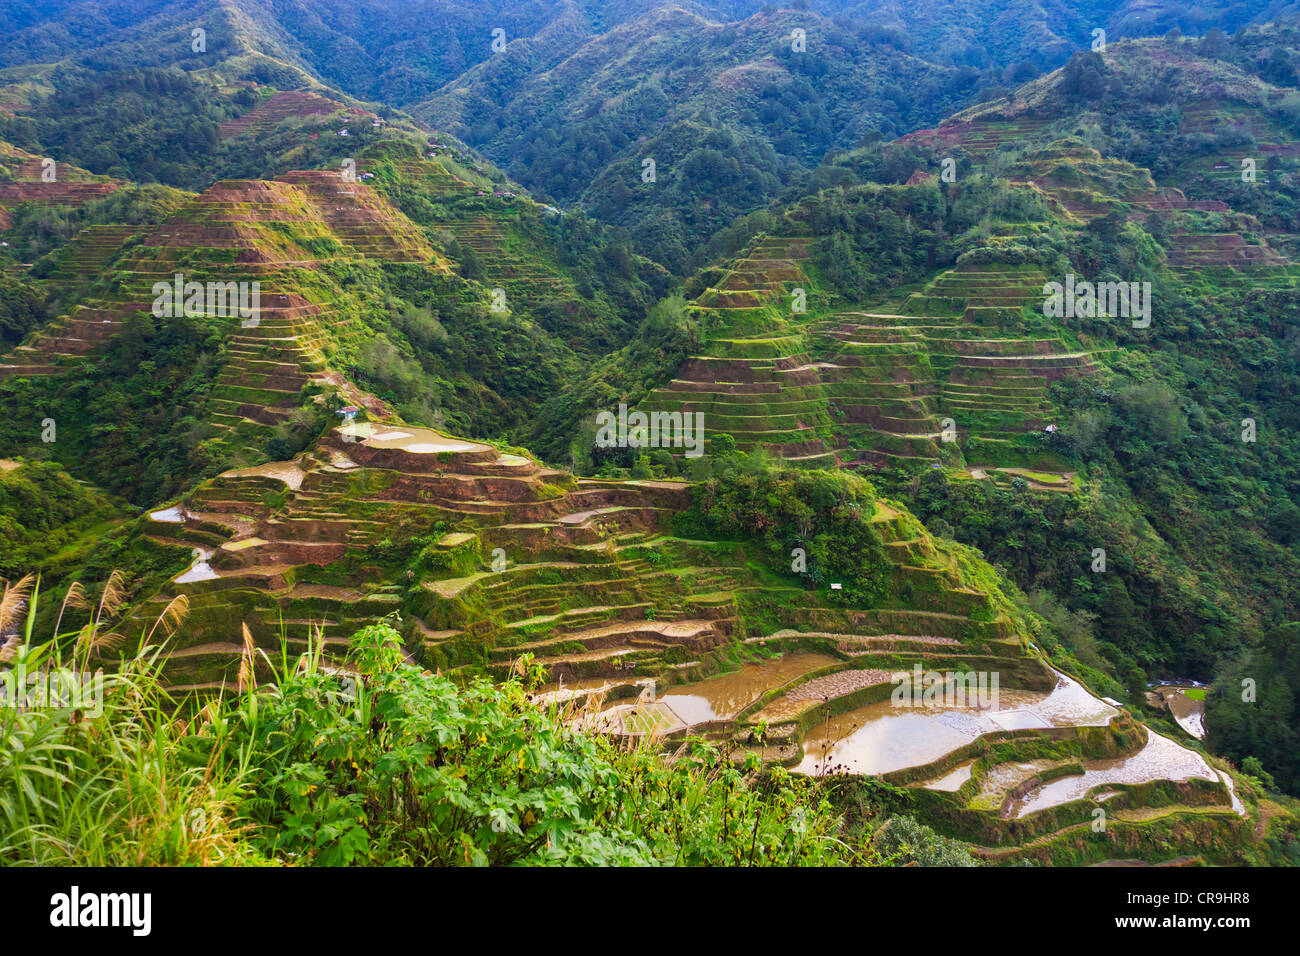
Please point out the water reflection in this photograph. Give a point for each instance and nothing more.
(1160, 759)
(883, 737)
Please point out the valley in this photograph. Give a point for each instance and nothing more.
(948, 556)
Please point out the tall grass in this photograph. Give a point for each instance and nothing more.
(107, 779)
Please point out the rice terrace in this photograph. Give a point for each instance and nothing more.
(590, 434)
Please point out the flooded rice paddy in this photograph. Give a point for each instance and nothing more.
(1188, 712)
(716, 698)
(884, 737)
(819, 689)
(410, 438)
(724, 696)
(1001, 779)
(286, 471)
(953, 779)
(199, 570)
(1160, 759)
(566, 690)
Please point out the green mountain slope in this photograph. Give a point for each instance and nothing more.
(727, 112)
(925, 322)
(469, 313)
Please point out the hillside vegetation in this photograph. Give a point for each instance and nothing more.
(311, 329)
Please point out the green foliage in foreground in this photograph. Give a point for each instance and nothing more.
(915, 844)
(377, 763)
(405, 767)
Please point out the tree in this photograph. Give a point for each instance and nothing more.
(1085, 76)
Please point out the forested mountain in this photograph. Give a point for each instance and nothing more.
(314, 318)
(732, 101)
(726, 113)
(402, 53)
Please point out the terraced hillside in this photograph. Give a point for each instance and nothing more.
(286, 104)
(88, 254)
(357, 299)
(755, 381)
(277, 233)
(488, 556)
(1204, 234)
(989, 368)
(495, 230)
(1259, 134)
(1231, 140)
(23, 179)
(874, 387)
(956, 371)
(486, 552)
(494, 555)
(1196, 84)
